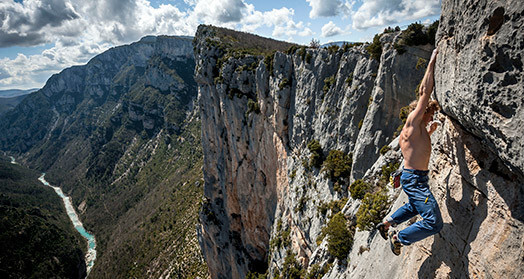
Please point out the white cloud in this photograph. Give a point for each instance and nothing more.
(327, 8)
(280, 19)
(383, 12)
(33, 22)
(330, 29)
(224, 11)
(80, 29)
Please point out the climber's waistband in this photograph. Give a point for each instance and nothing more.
(417, 172)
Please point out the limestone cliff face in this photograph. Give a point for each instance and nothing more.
(263, 199)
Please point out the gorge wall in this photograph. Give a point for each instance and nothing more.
(267, 203)
(121, 136)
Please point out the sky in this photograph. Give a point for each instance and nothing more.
(39, 38)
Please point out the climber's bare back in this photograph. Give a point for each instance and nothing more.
(415, 144)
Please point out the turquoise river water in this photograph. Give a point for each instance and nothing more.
(91, 252)
(91, 243)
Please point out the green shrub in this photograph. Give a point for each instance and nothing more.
(337, 187)
(388, 169)
(293, 174)
(404, 113)
(255, 275)
(268, 61)
(372, 210)
(252, 106)
(292, 49)
(284, 83)
(414, 35)
(349, 79)
(338, 165)
(385, 149)
(302, 53)
(317, 157)
(219, 79)
(335, 206)
(291, 268)
(309, 56)
(333, 49)
(348, 46)
(281, 238)
(317, 272)
(421, 63)
(389, 29)
(340, 239)
(375, 48)
(399, 48)
(301, 204)
(328, 82)
(321, 236)
(398, 131)
(323, 208)
(359, 188)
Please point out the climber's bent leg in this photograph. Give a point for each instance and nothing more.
(404, 213)
(415, 185)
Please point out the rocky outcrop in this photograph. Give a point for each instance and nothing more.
(264, 200)
(257, 123)
(479, 78)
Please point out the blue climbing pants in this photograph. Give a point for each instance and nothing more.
(421, 201)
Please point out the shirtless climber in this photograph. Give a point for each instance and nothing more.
(415, 144)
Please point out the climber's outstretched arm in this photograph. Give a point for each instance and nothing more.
(426, 87)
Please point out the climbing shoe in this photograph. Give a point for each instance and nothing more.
(382, 230)
(394, 243)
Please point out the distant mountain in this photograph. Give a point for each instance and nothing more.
(15, 92)
(7, 104)
(37, 238)
(121, 136)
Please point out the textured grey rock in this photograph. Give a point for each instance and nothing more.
(479, 73)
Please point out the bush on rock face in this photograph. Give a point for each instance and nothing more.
(328, 82)
(385, 149)
(316, 157)
(291, 268)
(372, 210)
(340, 239)
(359, 188)
(338, 165)
(375, 48)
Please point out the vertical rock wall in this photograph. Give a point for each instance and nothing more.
(253, 161)
(479, 76)
(476, 164)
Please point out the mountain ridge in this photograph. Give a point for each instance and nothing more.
(120, 136)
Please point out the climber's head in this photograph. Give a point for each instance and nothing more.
(431, 108)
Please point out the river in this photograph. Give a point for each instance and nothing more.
(91, 252)
(91, 243)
